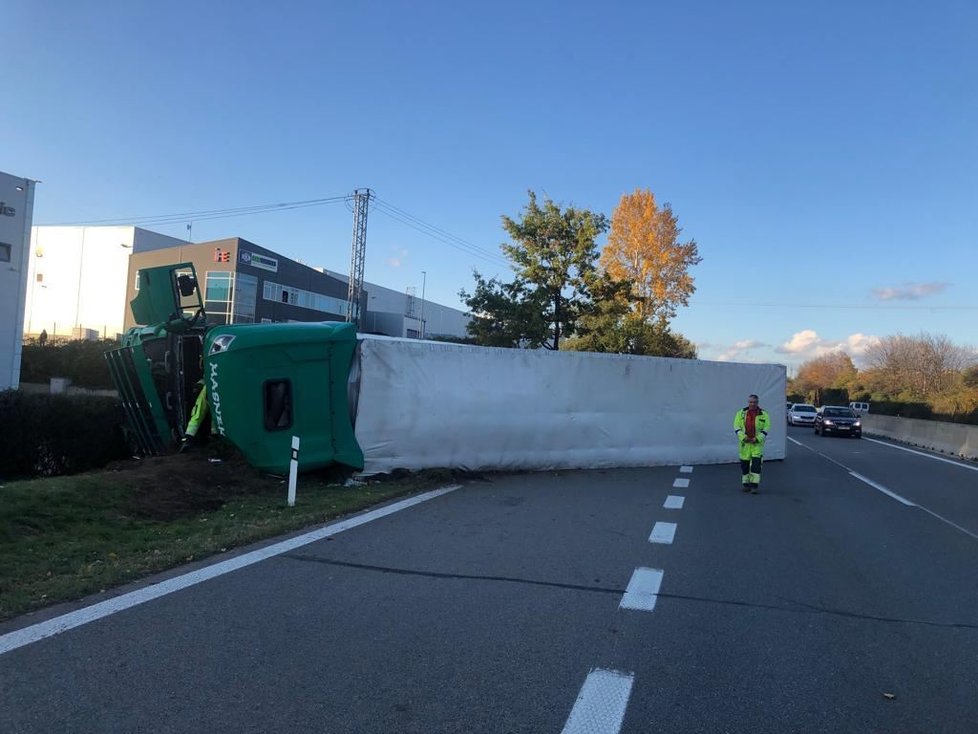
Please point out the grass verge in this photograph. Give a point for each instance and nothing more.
(63, 538)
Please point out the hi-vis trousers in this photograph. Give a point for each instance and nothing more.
(751, 458)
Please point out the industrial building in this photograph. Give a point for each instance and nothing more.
(245, 283)
(16, 211)
(77, 281)
(82, 278)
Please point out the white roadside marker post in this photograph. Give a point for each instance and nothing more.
(293, 470)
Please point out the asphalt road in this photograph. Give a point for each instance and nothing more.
(823, 604)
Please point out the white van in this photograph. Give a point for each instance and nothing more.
(860, 408)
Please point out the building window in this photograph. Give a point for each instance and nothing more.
(413, 333)
(219, 297)
(219, 286)
(4, 252)
(278, 405)
(245, 298)
(303, 299)
(135, 285)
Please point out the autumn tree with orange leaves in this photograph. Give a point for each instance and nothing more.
(644, 248)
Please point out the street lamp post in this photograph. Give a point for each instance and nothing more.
(81, 265)
(424, 282)
(38, 253)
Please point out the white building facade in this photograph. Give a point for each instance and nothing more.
(406, 314)
(77, 281)
(16, 211)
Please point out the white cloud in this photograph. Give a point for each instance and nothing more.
(738, 349)
(807, 344)
(800, 342)
(909, 291)
(858, 344)
(398, 259)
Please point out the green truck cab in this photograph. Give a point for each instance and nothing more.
(265, 383)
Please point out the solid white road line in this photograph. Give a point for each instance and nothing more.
(922, 453)
(642, 589)
(600, 706)
(663, 532)
(680, 483)
(882, 489)
(57, 625)
(894, 495)
(908, 503)
(685, 470)
(674, 502)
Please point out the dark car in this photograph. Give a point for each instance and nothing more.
(838, 419)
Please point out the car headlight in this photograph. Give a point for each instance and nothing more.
(827, 422)
(857, 424)
(220, 344)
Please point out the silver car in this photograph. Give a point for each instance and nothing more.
(801, 414)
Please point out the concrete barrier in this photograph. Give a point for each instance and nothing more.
(956, 439)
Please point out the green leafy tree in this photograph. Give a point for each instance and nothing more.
(554, 252)
(506, 314)
(611, 324)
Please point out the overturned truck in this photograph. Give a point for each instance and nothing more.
(376, 404)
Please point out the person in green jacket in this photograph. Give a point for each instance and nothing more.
(751, 425)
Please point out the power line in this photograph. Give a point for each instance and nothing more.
(390, 210)
(205, 214)
(854, 307)
(439, 234)
(441, 231)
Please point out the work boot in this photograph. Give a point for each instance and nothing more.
(754, 489)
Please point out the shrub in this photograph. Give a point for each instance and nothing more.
(901, 409)
(82, 361)
(47, 435)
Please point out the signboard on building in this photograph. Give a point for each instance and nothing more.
(258, 261)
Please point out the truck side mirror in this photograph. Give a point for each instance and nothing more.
(187, 285)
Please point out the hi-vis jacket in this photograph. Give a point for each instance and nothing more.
(762, 424)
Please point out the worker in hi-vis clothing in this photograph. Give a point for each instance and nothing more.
(751, 425)
(200, 413)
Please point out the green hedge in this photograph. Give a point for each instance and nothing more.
(920, 410)
(47, 435)
(82, 361)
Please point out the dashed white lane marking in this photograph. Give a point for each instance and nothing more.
(642, 589)
(924, 454)
(685, 470)
(795, 441)
(57, 625)
(680, 482)
(674, 502)
(600, 706)
(663, 532)
(883, 489)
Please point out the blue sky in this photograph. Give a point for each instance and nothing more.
(824, 156)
